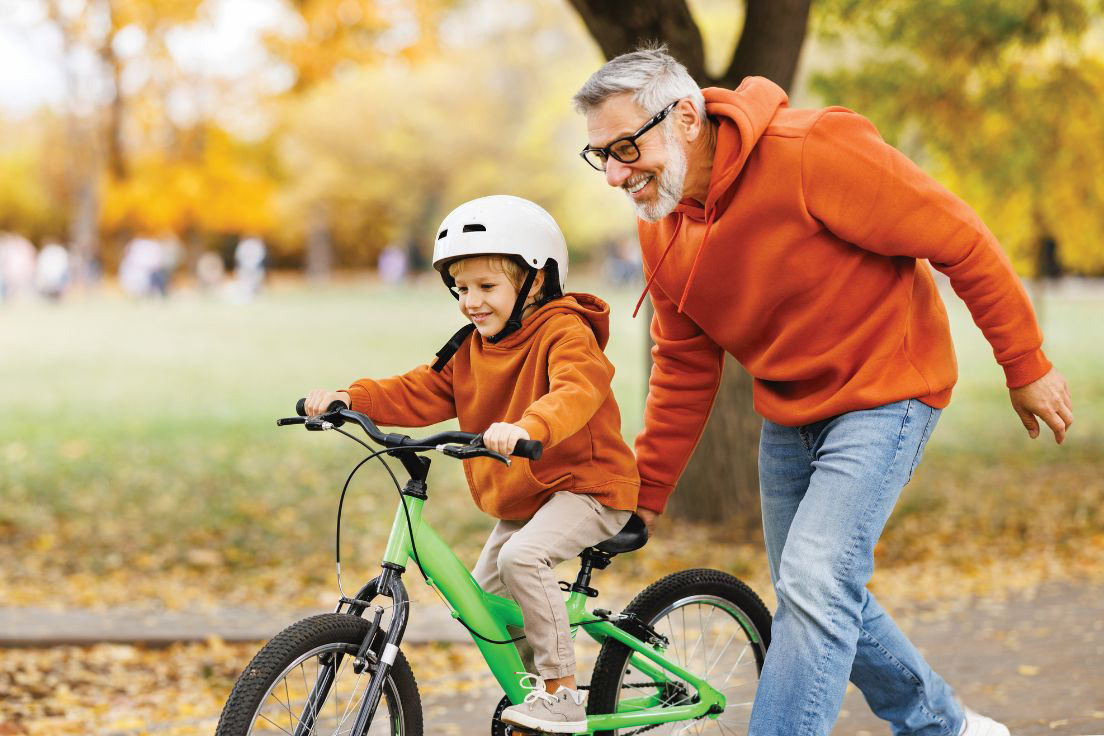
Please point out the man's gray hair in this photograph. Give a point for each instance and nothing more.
(653, 77)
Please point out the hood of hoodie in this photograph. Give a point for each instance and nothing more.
(593, 310)
(742, 116)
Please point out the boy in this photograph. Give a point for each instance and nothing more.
(533, 369)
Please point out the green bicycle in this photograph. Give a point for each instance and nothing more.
(684, 655)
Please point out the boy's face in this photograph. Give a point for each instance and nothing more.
(487, 295)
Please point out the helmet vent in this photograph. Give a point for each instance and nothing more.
(442, 234)
(475, 228)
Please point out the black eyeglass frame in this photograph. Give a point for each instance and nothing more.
(607, 151)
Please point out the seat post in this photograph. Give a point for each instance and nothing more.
(592, 558)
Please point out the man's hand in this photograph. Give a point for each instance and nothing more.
(319, 400)
(501, 437)
(1049, 399)
(648, 516)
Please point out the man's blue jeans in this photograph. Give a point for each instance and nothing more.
(827, 489)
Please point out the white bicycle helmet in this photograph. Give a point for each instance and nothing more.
(500, 225)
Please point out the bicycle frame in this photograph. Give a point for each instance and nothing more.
(491, 614)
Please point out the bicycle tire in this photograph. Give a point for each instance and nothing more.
(400, 709)
(680, 590)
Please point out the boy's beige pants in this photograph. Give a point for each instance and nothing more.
(517, 562)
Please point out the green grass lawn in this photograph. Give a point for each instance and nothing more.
(138, 450)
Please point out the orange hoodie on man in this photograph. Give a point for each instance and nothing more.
(550, 378)
(807, 263)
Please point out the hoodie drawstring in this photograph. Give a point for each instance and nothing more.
(662, 258)
(697, 259)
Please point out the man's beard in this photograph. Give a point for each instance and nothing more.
(669, 183)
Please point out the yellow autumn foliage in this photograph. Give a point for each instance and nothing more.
(1001, 101)
(219, 191)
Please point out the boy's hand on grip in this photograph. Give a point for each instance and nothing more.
(501, 437)
(319, 400)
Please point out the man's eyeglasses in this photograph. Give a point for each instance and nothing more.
(623, 149)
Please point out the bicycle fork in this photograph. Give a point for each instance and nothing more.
(388, 584)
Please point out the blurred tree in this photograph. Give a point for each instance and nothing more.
(32, 178)
(340, 35)
(721, 483)
(97, 113)
(337, 38)
(383, 150)
(1001, 100)
(218, 186)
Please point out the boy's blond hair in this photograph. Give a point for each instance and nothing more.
(509, 265)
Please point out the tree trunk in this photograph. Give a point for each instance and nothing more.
(84, 230)
(83, 152)
(721, 483)
(770, 44)
(319, 244)
(619, 26)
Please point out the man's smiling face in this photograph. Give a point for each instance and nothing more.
(654, 181)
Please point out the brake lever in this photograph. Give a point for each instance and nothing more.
(477, 442)
(465, 452)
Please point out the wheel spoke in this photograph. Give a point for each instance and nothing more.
(345, 716)
(703, 626)
(722, 727)
(286, 706)
(721, 654)
(685, 662)
(738, 660)
(274, 723)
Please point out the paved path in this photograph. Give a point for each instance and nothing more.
(40, 627)
(1034, 661)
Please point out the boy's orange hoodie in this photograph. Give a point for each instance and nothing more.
(551, 378)
(807, 263)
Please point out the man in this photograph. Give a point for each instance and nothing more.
(794, 240)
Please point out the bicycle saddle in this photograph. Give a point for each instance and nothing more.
(634, 535)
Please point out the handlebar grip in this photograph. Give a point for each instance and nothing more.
(531, 449)
(301, 406)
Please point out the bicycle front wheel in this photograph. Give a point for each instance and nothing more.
(718, 629)
(302, 683)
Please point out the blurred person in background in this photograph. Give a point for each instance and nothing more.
(622, 265)
(392, 264)
(141, 270)
(210, 271)
(171, 254)
(17, 267)
(52, 271)
(249, 268)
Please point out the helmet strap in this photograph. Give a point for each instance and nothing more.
(444, 355)
(513, 324)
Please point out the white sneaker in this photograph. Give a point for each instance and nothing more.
(543, 711)
(978, 725)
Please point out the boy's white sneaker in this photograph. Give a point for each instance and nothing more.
(561, 712)
(976, 724)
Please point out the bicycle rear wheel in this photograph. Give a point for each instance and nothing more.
(280, 692)
(718, 629)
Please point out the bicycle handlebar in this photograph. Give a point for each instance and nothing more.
(337, 413)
